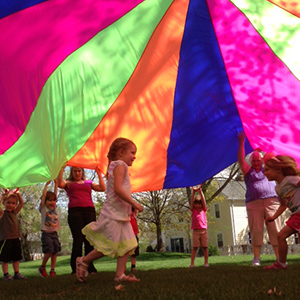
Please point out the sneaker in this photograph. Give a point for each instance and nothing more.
(52, 273)
(275, 266)
(7, 277)
(206, 265)
(18, 276)
(42, 271)
(256, 262)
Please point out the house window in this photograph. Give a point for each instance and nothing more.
(177, 245)
(217, 210)
(220, 241)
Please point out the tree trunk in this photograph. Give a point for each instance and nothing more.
(159, 237)
(26, 248)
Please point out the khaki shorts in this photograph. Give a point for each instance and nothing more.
(200, 238)
(257, 212)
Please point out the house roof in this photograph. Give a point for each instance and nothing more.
(235, 190)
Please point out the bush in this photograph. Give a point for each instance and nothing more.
(150, 249)
(213, 251)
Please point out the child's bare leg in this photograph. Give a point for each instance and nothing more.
(121, 264)
(93, 255)
(15, 265)
(133, 262)
(205, 254)
(193, 255)
(53, 260)
(283, 234)
(5, 267)
(45, 258)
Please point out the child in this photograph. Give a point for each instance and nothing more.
(199, 225)
(284, 170)
(135, 229)
(10, 245)
(112, 234)
(49, 226)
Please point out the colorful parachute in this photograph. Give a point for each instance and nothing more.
(178, 77)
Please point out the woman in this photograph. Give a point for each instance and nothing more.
(261, 201)
(81, 210)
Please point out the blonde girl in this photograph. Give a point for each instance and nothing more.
(112, 234)
(284, 170)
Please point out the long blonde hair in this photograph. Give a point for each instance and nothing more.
(71, 177)
(117, 144)
(286, 163)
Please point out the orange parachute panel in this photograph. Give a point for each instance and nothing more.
(138, 113)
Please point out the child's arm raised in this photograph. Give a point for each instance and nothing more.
(20, 204)
(43, 198)
(119, 175)
(193, 198)
(101, 186)
(204, 206)
(1, 199)
(55, 186)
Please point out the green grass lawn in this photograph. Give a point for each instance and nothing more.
(163, 276)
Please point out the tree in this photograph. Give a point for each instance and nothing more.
(30, 219)
(220, 181)
(159, 206)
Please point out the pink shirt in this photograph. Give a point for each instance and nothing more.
(199, 219)
(80, 194)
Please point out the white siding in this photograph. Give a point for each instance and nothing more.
(240, 223)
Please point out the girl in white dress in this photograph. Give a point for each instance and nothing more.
(112, 234)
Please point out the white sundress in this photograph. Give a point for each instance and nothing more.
(112, 233)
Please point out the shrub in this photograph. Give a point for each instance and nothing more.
(150, 249)
(213, 251)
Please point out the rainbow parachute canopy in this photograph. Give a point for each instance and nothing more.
(180, 78)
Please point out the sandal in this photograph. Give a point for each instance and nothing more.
(81, 269)
(128, 278)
